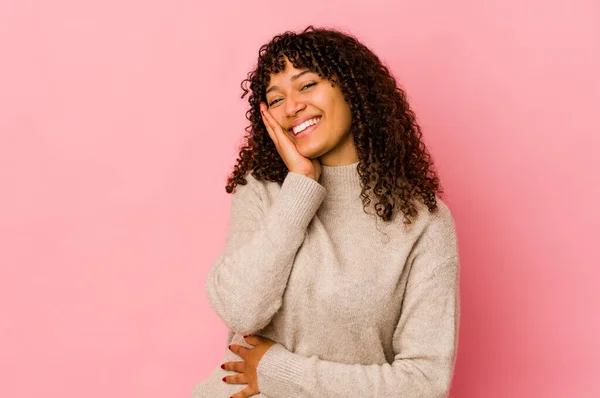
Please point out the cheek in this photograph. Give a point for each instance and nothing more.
(343, 115)
(348, 116)
(322, 100)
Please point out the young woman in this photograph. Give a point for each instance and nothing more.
(340, 273)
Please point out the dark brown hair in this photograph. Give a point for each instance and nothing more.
(395, 167)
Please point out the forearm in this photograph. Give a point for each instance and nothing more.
(246, 287)
(285, 374)
(246, 283)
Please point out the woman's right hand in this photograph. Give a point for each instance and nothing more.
(294, 161)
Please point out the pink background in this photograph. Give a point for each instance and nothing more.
(119, 121)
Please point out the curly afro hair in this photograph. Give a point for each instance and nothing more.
(395, 168)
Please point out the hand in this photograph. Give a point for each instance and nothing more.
(247, 369)
(294, 161)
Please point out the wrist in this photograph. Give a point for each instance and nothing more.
(312, 176)
(306, 174)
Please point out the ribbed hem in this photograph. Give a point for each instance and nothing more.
(280, 373)
(297, 201)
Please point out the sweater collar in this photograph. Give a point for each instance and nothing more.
(340, 180)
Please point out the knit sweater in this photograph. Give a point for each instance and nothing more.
(358, 307)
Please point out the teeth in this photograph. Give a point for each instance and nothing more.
(298, 129)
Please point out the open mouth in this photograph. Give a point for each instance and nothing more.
(305, 127)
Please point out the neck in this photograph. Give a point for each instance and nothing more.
(341, 180)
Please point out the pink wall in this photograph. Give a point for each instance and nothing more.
(119, 121)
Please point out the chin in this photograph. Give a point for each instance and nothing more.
(312, 152)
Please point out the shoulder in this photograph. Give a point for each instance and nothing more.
(442, 218)
(255, 191)
(436, 231)
(253, 185)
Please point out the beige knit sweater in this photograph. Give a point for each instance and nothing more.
(358, 307)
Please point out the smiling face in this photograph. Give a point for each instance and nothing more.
(306, 104)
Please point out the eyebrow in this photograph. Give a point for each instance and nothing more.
(295, 77)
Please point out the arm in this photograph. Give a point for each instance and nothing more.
(425, 343)
(246, 282)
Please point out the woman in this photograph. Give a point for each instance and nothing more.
(340, 273)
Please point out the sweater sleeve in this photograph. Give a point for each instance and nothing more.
(246, 282)
(425, 343)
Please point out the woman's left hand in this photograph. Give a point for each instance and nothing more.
(247, 369)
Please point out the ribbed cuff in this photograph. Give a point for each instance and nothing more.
(280, 373)
(297, 201)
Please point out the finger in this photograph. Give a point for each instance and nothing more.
(270, 130)
(239, 350)
(253, 340)
(285, 146)
(246, 392)
(276, 128)
(268, 124)
(239, 367)
(239, 378)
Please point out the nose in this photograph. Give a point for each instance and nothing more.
(294, 104)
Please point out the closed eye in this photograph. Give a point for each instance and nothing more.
(308, 85)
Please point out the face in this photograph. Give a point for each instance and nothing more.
(297, 96)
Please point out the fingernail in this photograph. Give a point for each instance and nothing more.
(230, 346)
(245, 336)
(222, 366)
(223, 379)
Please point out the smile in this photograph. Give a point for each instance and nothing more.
(306, 128)
(303, 126)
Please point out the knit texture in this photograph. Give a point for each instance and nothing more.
(358, 307)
